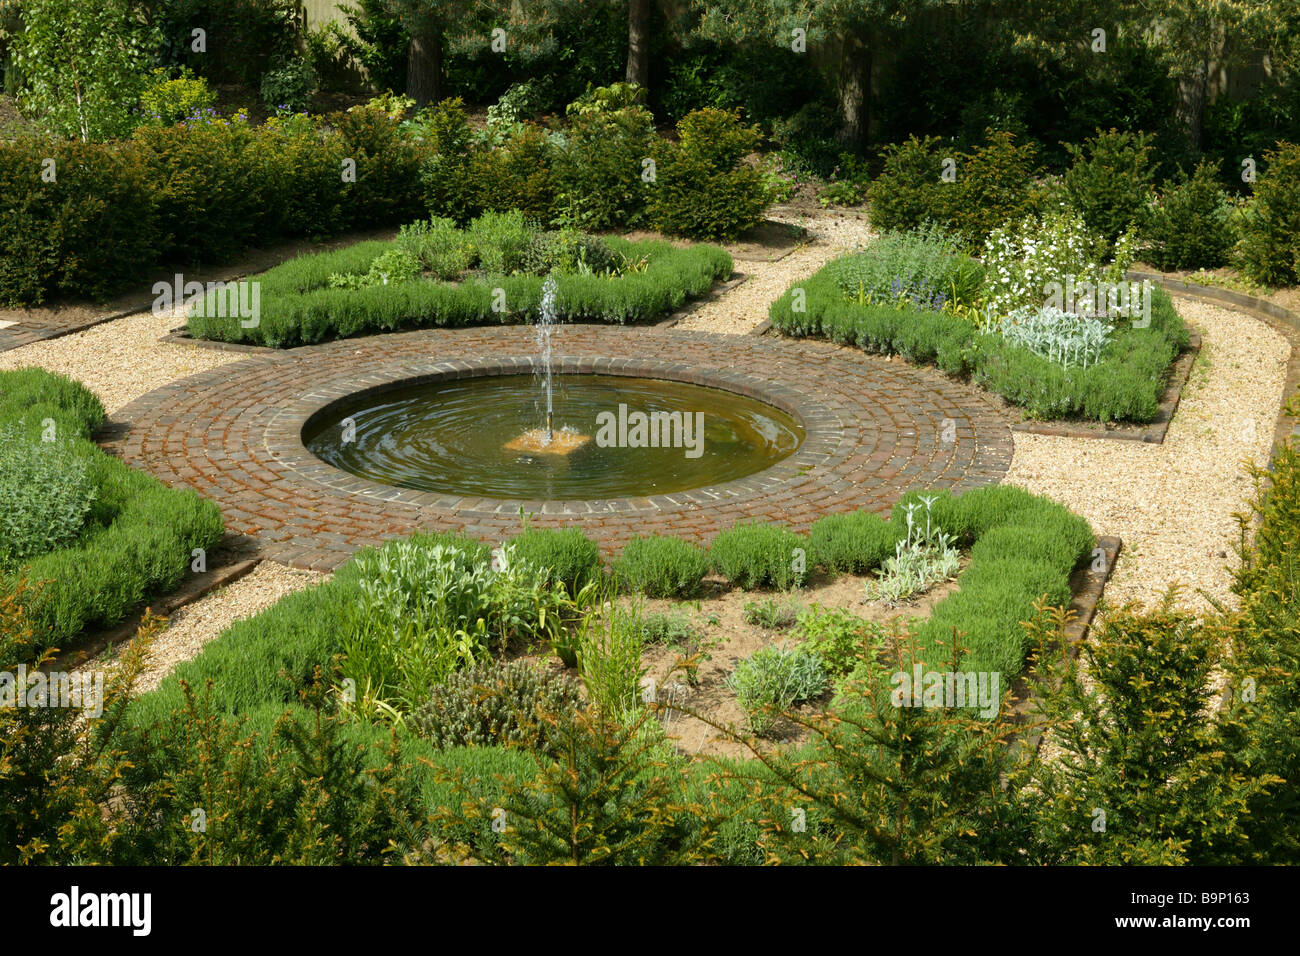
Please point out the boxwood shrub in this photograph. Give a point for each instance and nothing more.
(1126, 385)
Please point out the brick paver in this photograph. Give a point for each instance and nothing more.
(875, 428)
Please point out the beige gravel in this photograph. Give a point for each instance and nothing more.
(195, 624)
(1172, 504)
(120, 360)
(742, 309)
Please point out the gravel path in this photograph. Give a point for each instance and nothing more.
(743, 308)
(120, 360)
(195, 624)
(1173, 503)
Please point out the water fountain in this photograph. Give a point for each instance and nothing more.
(546, 440)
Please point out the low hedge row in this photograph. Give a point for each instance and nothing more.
(1126, 385)
(298, 307)
(1022, 547)
(138, 538)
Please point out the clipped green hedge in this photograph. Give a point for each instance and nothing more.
(298, 307)
(1126, 385)
(138, 538)
(190, 193)
(1022, 547)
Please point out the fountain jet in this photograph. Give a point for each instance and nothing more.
(547, 440)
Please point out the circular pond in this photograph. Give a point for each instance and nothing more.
(614, 436)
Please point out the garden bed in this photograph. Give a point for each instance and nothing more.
(1017, 549)
(730, 624)
(918, 298)
(87, 539)
(457, 278)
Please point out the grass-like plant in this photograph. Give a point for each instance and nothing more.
(97, 536)
(857, 541)
(1127, 386)
(669, 627)
(922, 268)
(569, 556)
(609, 647)
(423, 611)
(299, 307)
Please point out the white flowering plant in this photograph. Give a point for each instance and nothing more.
(1025, 261)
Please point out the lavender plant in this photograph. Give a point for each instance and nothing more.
(773, 679)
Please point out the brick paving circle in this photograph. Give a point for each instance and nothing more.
(875, 429)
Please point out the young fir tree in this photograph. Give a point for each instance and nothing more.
(1134, 768)
(612, 795)
(886, 783)
(1264, 666)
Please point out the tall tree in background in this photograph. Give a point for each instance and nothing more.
(1195, 38)
(429, 22)
(638, 41)
(1202, 36)
(859, 27)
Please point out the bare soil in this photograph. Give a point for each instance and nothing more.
(719, 616)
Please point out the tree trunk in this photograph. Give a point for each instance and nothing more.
(855, 91)
(638, 42)
(1194, 87)
(424, 67)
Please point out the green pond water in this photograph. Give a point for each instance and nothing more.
(452, 436)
